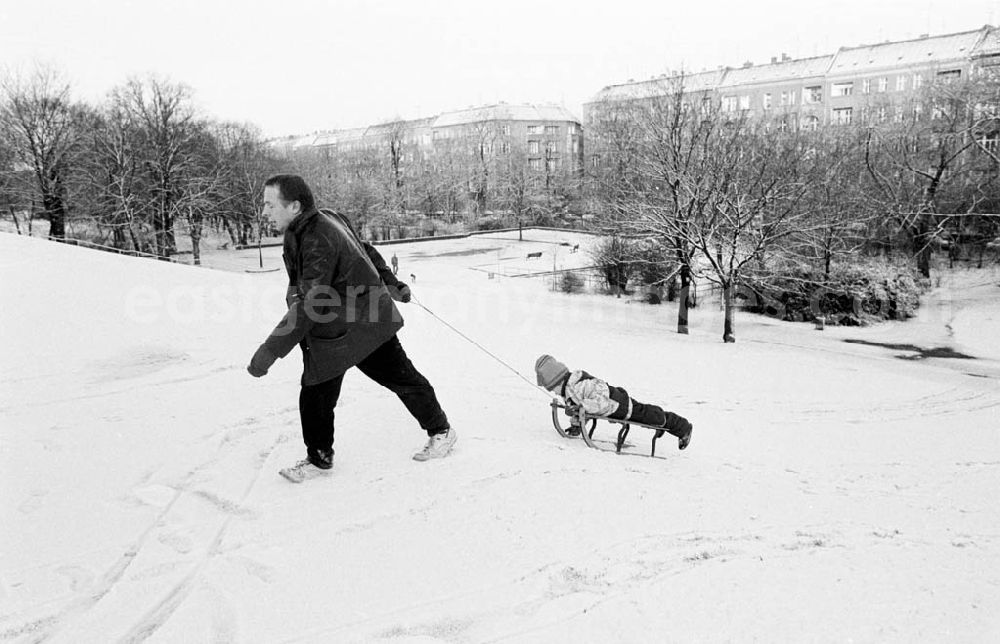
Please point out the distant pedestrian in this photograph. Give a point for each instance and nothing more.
(395, 264)
(341, 314)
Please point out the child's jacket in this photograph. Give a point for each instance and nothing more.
(595, 396)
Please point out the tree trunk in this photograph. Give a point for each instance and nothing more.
(728, 331)
(136, 245)
(682, 309)
(118, 238)
(232, 233)
(922, 243)
(196, 244)
(56, 211)
(196, 223)
(17, 224)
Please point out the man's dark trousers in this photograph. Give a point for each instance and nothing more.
(389, 366)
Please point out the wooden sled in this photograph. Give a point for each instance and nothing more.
(587, 433)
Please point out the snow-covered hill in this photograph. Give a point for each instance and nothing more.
(832, 492)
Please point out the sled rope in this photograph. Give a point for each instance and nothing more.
(473, 342)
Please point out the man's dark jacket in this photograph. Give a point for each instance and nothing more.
(339, 309)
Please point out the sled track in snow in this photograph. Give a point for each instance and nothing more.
(158, 615)
(45, 628)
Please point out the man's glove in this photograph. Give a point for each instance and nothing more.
(260, 362)
(400, 292)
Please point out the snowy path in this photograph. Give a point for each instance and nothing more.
(833, 491)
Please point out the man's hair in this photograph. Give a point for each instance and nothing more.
(292, 187)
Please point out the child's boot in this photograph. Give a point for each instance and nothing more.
(678, 426)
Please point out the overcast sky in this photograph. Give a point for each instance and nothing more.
(295, 66)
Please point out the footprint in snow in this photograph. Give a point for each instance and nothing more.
(158, 496)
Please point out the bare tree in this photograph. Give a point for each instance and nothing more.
(44, 128)
(651, 149)
(732, 192)
(841, 214)
(166, 118)
(919, 166)
(515, 183)
(8, 191)
(243, 162)
(480, 142)
(118, 176)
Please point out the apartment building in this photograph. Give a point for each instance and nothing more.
(548, 137)
(873, 82)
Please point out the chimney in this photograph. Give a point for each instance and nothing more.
(785, 57)
(924, 36)
(774, 59)
(748, 64)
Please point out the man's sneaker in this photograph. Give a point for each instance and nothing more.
(303, 471)
(437, 446)
(321, 458)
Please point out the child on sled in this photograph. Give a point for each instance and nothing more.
(601, 399)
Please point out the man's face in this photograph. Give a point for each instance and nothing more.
(278, 211)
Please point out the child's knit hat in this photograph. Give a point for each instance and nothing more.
(549, 371)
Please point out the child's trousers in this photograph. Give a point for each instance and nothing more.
(651, 415)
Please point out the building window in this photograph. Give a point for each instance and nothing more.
(767, 101)
(729, 104)
(900, 83)
(505, 129)
(918, 81)
(552, 130)
(572, 128)
(812, 122)
(552, 165)
(842, 115)
(866, 86)
(595, 161)
(950, 75)
(576, 146)
(813, 94)
(990, 143)
(784, 98)
(504, 147)
(535, 164)
(551, 147)
(745, 102)
(532, 147)
(536, 129)
(883, 84)
(882, 114)
(841, 89)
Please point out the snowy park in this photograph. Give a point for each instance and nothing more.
(839, 485)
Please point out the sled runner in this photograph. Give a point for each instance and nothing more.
(587, 433)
